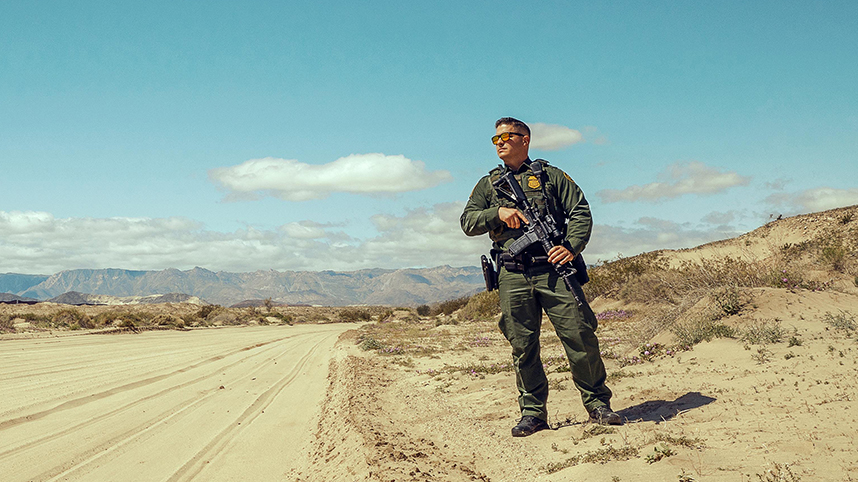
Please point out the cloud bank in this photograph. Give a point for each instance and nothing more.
(39, 243)
(680, 178)
(552, 137)
(292, 180)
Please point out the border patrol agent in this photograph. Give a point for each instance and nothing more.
(528, 283)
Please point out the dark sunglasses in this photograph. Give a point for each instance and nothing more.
(504, 137)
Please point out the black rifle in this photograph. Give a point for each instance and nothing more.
(540, 229)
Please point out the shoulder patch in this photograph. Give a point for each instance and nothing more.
(567, 177)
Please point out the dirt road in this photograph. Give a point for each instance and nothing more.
(231, 404)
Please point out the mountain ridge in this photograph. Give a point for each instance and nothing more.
(376, 286)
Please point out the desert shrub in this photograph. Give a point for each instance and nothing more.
(168, 320)
(367, 342)
(385, 315)
(124, 319)
(207, 310)
(283, 317)
(610, 277)
(424, 310)
(482, 306)
(835, 255)
(71, 317)
(728, 299)
(762, 332)
(695, 330)
(223, 317)
(449, 306)
(6, 324)
(353, 315)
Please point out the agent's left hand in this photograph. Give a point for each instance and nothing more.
(560, 255)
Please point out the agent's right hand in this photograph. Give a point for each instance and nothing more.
(511, 217)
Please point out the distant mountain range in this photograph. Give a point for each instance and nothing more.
(401, 287)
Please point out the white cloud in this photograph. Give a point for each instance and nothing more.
(292, 180)
(551, 137)
(813, 200)
(304, 230)
(680, 178)
(39, 243)
(649, 234)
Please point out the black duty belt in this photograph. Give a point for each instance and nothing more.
(517, 264)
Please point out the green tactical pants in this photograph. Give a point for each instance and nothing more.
(523, 296)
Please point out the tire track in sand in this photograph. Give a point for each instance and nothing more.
(190, 408)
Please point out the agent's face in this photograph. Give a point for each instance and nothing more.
(514, 150)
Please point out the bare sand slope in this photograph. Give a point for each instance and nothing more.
(235, 403)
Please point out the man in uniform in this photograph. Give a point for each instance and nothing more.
(528, 283)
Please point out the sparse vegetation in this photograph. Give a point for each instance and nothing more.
(597, 456)
(779, 473)
(659, 452)
(698, 329)
(354, 315)
(843, 322)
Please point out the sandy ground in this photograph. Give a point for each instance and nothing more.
(237, 403)
(305, 403)
(726, 410)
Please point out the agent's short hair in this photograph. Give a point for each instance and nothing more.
(511, 121)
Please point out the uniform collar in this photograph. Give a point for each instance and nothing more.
(524, 166)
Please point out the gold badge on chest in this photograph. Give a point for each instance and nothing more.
(533, 182)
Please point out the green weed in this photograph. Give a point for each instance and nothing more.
(659, 452)
(696, 330)
(598, 456)
(762, 332)
(842, 322)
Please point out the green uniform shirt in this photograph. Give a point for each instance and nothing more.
(566, 202)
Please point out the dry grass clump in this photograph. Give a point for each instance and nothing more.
(482, 306)
(450, 306)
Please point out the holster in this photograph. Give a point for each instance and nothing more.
(489, 273)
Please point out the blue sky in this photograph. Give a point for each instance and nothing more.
(242, 136)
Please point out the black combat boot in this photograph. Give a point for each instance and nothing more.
(529, 425)
(605, 416)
